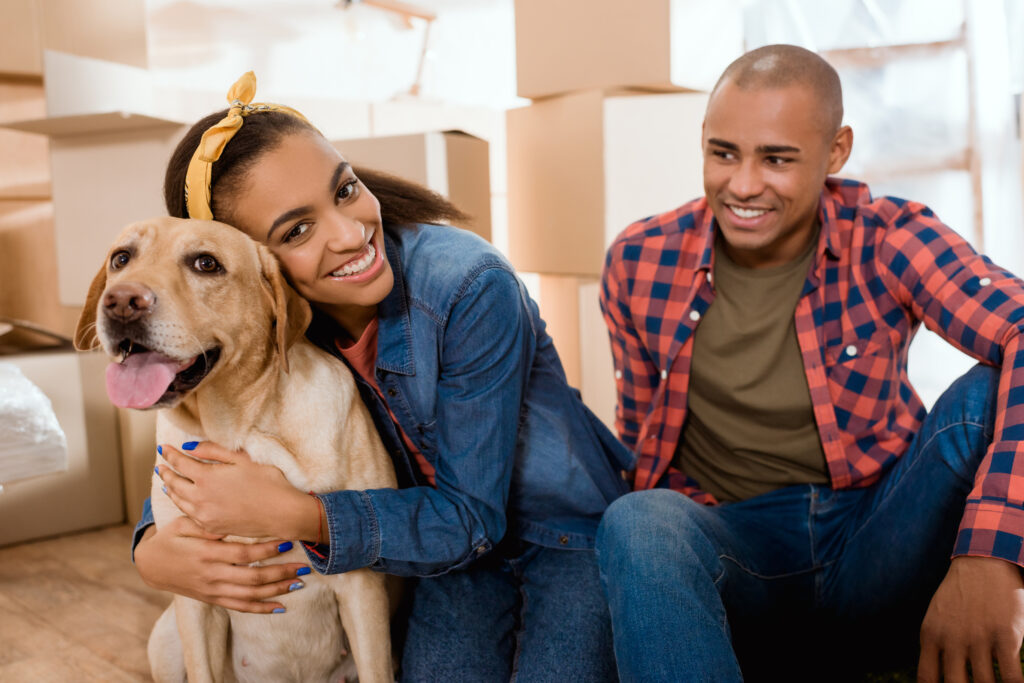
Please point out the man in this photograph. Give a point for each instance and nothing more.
(804, 509)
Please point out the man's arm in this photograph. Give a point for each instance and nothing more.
(633, 366)
(977, 614)
(979, 308)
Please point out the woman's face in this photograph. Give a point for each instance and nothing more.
(303, 201)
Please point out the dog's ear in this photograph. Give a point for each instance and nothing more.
(292, 313)
(85, 331)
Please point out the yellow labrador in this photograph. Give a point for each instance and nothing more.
(200, 323)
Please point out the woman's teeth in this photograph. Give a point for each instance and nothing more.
(748, 213)
(358, 265)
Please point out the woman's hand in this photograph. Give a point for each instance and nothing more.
(181, 558)
(233, 495)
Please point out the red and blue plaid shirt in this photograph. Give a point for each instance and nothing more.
(882, 267)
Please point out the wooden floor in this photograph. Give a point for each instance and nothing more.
(74, 609)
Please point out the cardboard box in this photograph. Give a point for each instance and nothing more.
(24, 157)
(415, 115)
(584, 166)
(663, 45)
(113, 30)
(452, 163)
(571, 309)
(28, 264)
(107, 172)
(89, 493)
(137, 430)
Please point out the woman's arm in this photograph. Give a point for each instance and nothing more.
(486, 355)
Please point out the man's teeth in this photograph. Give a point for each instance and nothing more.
(357, 266)
(748, 213)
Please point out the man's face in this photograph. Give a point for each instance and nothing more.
(767, 152)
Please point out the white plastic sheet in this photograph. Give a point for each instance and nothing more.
(32, 442)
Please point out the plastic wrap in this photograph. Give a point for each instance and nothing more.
(31, 440)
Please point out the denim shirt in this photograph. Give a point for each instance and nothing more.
(475, 382)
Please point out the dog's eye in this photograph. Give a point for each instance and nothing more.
(206, 264)
(120, 260)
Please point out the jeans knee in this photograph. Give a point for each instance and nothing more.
(971, 397)
(646, 523)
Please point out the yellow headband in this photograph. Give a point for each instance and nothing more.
(216, 138)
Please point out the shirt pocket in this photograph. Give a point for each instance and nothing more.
(863, 381)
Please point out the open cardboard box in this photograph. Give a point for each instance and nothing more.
(89, 493)
(582, 167)
(107, 171)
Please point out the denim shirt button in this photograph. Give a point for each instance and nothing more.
(391, 392)
(564, 540)
(480, 550)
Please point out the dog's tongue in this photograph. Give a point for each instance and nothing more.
(140, 380)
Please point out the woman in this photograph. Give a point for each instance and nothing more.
(504, 472)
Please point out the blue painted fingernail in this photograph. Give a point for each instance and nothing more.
(164, 489)
(160, 450)
(279, 610)
(284, 547)
(189, 445)
(157, 469)
(302, 571)
(296, 586)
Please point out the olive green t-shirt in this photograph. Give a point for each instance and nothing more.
(750, 427)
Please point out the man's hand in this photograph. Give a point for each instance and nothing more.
(975, 616)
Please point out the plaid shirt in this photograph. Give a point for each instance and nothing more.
(882, 267)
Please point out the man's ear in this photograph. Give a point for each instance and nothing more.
(291, 312)
(839, 152)
(85, 331)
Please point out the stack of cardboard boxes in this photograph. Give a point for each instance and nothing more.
(34, 191)
(612, 136)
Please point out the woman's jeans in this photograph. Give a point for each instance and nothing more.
(523, 613)
(803, 582)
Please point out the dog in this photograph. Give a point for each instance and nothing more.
(200, 323)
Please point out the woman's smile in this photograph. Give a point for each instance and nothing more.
(365, 265)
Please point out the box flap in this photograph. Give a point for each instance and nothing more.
(91, 124)
(22, 336)
(456, 131)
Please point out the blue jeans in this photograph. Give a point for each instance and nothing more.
(801, 583)
(524, 613)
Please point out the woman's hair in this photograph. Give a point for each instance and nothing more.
(401, 202)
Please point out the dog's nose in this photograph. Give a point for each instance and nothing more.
(128, 301)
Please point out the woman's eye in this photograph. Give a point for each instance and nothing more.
(206, 264)
(349, 190)
(296, 232)
(120, 260)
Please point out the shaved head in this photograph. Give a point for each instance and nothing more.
(781, 66)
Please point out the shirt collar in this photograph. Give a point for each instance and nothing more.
(394, 340)
(829, 241)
